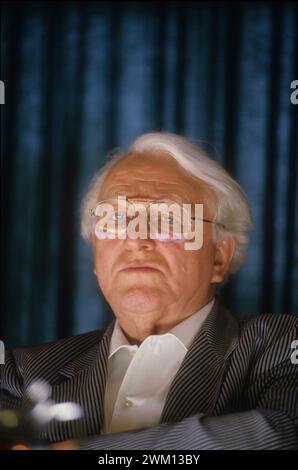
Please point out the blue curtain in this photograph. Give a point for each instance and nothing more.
(83, 78)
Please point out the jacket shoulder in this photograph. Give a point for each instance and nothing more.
(269, 335)
(273, 326)
(61, 351)
(83, 338)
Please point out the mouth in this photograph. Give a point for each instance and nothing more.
(140, 267)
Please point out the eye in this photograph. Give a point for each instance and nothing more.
(167, 218)
(118, 216)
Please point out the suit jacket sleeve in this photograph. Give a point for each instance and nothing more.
(11, 383)
(254, 429)
(272, 424)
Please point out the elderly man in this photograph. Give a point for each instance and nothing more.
(175, 369)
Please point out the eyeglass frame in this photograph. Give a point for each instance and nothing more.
(131, 201)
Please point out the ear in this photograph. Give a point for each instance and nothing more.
(223, 256)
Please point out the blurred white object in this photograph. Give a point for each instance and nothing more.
(66, 411)
(42, 412)
(45, 409)
(39, 391)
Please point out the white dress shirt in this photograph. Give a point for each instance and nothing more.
(139, 377)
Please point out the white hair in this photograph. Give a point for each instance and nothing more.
(232, 208)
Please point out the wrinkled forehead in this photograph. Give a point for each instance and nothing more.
(154, 176)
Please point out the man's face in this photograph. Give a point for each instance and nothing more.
(179, 281)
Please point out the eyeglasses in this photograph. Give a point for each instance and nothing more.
(168, 220)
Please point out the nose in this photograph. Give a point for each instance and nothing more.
(139, 244)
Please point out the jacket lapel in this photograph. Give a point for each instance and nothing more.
(83, 382)
(197, 383)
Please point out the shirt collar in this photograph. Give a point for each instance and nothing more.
(185, 331)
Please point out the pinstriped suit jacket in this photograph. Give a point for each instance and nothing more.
(237, 387)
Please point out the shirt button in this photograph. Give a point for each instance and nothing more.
(128, 403)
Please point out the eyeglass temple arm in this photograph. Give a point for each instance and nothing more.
(210, 222)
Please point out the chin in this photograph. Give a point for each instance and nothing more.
(143, 300)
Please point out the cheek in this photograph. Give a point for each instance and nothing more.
(188, 266)
(203, 261)
(104, 255)
(178, 261)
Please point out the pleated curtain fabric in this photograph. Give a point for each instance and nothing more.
(84, 78)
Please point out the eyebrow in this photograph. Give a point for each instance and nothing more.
(178, 199)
